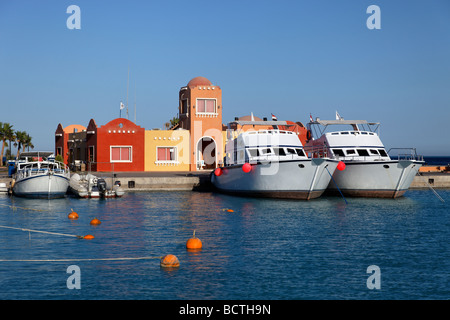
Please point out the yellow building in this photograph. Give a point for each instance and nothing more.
(166, 150)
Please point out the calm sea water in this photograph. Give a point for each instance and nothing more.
(265, 249)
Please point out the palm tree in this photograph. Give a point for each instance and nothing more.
(27, 143)
(21, 137)
(6, 133)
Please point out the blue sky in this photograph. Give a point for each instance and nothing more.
(290, 58)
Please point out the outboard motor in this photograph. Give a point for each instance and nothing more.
(101, 184)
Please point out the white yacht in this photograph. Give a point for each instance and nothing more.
(40, 176)
(369, 170)
(271, 163)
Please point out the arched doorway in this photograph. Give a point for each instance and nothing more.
(206, 153)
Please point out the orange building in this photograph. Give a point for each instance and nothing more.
(200, 112)
(70, 142)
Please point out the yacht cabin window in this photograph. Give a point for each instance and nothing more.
(253, 152)
(338, 152)
(382, 152)
(291, 151)
(279, 151)
(362, 152)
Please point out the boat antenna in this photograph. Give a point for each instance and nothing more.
(128, 82)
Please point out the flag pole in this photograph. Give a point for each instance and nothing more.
(128, 81)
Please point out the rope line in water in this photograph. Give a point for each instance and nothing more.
(77, 260)
(336, 185)
(431, 188)
(16, 207)
(47, 232)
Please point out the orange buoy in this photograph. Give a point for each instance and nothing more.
(73, 215)
(194, 243)
(88, 237)
(95, 222)
(230, 210)
(170, 261)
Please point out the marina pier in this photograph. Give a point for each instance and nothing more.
(199, 181)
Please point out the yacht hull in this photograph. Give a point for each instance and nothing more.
(378, 179)
(47, 186)
(297, 179)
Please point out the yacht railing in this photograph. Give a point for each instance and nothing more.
(316, 152)
(406, 154)
(39, 168)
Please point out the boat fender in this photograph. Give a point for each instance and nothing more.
(308, 135)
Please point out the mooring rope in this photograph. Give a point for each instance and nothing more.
(47, 232)
(15, 207)
(336, 184)
(79, 260)
(431, 188)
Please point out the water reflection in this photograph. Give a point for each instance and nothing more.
(265, 248)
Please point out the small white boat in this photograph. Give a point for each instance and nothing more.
(41, 178)
(369, 170)
(91, 186)
(272, 163)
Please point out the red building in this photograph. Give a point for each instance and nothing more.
(69, 142)
(115, 146)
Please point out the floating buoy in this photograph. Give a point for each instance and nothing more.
(88, 237)
(95, 222)
(341, 166)
(73, 215)
(194, 243)
(218, 172)
(246, 167)
(230, 210)
(170, 261)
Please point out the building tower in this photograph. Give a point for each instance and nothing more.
(200, 112)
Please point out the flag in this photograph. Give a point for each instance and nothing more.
(273, 117)
(121, 106)
(310, 118)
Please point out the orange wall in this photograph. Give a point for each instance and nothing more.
(205, 125)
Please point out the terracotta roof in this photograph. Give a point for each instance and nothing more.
(199, 81)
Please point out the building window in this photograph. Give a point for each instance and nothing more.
(121, 154)
(91, 153)
(184, 106)
(166, 154)
(206, 106)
